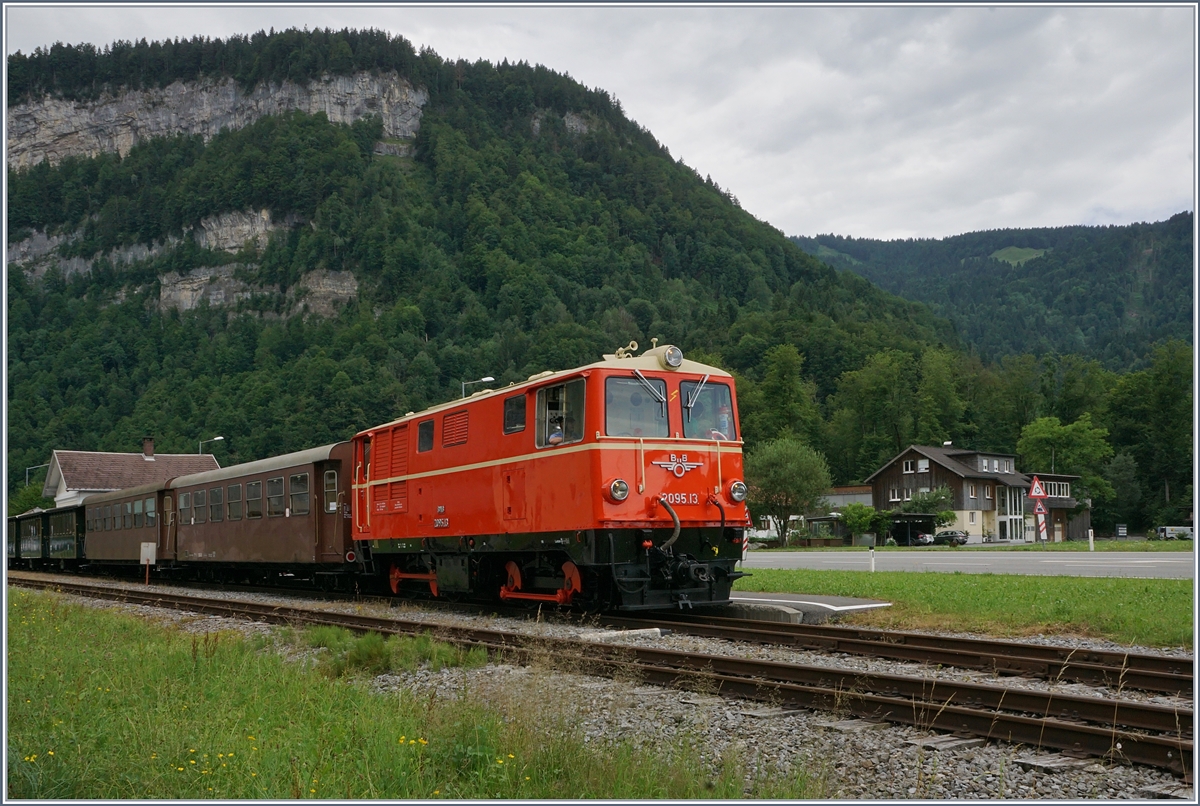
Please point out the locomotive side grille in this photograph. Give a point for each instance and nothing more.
(454, 429)
(381, 464)
(400, 451)
(399, 495)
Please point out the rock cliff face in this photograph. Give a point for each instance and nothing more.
(54, 129)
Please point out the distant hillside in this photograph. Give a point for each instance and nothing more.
(1107, 293)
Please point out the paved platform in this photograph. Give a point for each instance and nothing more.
(797, 608)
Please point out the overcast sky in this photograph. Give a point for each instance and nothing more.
(874, 122)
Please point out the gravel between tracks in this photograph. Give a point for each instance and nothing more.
(860, 763)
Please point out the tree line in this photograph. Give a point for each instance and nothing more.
(499, 249)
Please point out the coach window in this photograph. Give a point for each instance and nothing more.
(185, 507)
(234, 502)
(137, 514)
(298, 488)
(254, 499)
(514, 414)
(425, 436)
(105, 519)
(216, 508)
(707, 411)
(199, 506)
(149, 507)
(635, 407)
(331, 493)
(560, 414)
(127, 519)
(275, 497)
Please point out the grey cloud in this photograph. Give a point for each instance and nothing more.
(884, 122)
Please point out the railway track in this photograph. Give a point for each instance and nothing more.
(1117, 730)
(1116, 670)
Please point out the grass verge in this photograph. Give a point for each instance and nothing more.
(1151, 612)
(102, 705)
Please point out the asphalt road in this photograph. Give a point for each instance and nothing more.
(1148, 564)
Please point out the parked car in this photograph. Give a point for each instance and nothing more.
(1173, 533)
(950, 537)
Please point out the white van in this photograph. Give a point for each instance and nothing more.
(1174, 533)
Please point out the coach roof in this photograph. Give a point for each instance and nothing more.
(297, 459)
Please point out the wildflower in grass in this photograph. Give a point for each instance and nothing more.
(499, 761)
(251, 738)
(49, 752)
(422, 741)
(253, 774)
(510, 755)
(401, 738)
(193, 761)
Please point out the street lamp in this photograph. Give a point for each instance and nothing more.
(34, 467)
(465, 384)
(200, 447)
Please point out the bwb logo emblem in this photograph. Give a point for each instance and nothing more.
(677, 465)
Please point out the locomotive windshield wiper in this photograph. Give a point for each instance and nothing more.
(691, 401)
(653, 390)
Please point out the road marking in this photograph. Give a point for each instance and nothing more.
(1113, 561)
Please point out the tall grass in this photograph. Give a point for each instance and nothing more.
(106, 706)
(1151, 612)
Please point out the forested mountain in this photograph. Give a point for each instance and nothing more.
(182, 288)
(1108, 293)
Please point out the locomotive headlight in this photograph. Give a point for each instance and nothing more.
(617, 490)
(672, 357)
(737, 491)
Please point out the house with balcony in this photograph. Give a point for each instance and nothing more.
(990, 497)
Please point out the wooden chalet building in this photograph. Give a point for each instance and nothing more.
(990, 497)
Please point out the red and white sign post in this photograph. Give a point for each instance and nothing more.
(1037, 491)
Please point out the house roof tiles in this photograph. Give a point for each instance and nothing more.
(94, 471)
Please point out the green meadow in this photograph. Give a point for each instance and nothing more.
(1151, 612)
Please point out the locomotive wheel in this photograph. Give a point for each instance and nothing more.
(514, 576)
(572, 583)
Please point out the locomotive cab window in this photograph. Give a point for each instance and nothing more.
(514, 414)
(425, 436)
(298, 487)
(560, 414)
(275, 497)
(707, 410)
(635, 407)
(254, 499)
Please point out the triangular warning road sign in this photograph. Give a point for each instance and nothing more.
(1039, 508)
(1036, 490)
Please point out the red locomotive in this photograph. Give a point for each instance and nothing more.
(617, 485)
(613, 485)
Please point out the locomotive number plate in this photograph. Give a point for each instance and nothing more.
(681, 498)
(441, 523)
